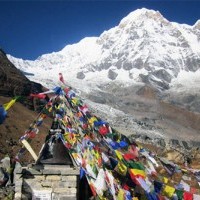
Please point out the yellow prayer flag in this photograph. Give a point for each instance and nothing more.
(135, 198)
(140, 146)
(75, 155)
(58, 107)
(102, 198)
(75, 100)
(119, 155)
(165, 180)
(168, 191)
(120, 195)
(70, 137)
(138, 172)
(50, 109)
(92, 120)
(184, 170)
(9, 104)
(95, 153)
(121, 168)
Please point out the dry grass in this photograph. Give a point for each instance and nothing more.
(18, 120)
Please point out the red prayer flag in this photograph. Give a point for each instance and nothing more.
(129, 156)
(133, 149)
(61, 78)
(39, 96)
(93, 189)
(85, 126)
(66, 90)
(126, 187)
(193, 190)
(103, 130)
(84, 109)
(187, 196)
(160, 197)
(31, 134)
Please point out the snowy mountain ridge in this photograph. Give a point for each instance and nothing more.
(144, 48)
(112, 71)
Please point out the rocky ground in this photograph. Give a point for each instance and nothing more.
(18, 120)
(14, 83)
(7, 193)
(143, 111)
(143, 116)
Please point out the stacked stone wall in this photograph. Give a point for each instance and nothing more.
(49, 182)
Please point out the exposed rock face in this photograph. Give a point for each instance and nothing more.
(12, 81)
(112, 75)
(80, 75)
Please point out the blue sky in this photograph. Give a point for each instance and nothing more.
(29, 29)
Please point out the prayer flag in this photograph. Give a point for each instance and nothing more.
(187, 196)
(92, 189)
(165, 180)
(129, 156)
(111, 182)
(82, 173)
(103, 130)
(118, 154)
(168, 191)
(151, 196)
(196, 196)
(99, 123)
(123, 144)
(114, 145)
(121, 168)
(143, 184)
(137, 173)
(8, 105)
(100, 183)
(39, 96)
(158, 186)
(61, 78)
(179, 194)
(58, 90)
(3, 114)
(135, 165)
(121, 195)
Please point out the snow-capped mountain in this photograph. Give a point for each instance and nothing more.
(143, 49)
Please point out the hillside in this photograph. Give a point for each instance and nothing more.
(18, 120)
(21, 115)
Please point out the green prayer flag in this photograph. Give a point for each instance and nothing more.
(179, 194)
(135, 165)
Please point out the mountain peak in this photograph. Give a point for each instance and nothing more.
(142, 15)
(197, 24)
(144, 48)
(142, 11)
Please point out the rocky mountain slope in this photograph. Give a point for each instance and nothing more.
(145, 48)
(137, 71)
(12, 81)
(135, 115)
(20, 115)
